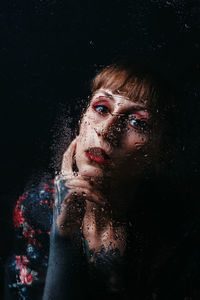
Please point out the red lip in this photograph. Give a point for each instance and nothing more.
(98, 155)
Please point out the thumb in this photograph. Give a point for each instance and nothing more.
(68, 157)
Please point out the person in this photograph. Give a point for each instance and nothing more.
(108, 237)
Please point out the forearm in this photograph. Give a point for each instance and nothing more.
(64, 268)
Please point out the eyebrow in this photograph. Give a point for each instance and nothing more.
(136, 107)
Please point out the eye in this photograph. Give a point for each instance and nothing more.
(139, 124)
(101, 109)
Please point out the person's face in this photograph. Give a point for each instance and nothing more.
(115, 136)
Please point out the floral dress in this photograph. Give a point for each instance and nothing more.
(32, 219)
(27, 267)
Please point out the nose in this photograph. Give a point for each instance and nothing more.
(112, 128)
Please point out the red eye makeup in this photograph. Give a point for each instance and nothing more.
(101, 106)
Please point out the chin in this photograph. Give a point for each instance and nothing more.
(91, 171)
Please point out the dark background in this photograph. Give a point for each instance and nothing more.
(49, 52)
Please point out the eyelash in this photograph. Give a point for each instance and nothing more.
(95, 107)
(140, 124)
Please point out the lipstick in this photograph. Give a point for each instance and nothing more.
(98, 155)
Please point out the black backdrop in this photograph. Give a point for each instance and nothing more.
(50, 50)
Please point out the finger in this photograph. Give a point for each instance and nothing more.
(87, 195)
(78, 182)
(67, 162)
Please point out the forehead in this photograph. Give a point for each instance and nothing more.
(120, 98)
(136, 86)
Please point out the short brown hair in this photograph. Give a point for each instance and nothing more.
(132, 81)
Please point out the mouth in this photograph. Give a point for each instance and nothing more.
(98, 155)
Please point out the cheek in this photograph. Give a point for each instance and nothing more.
(87, 135)
(83, 126)
(84, 132)
(134, 142)
(87, 124)
(136, 152)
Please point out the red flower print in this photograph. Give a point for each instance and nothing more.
(18, 218)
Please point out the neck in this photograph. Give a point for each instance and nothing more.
(101, 232)
(119, 198)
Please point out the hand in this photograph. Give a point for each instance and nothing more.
(80, 190)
